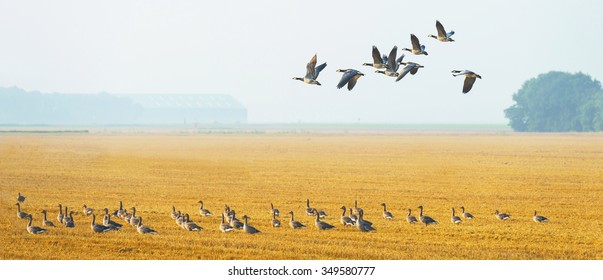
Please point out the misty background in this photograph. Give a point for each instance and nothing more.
(251, 50)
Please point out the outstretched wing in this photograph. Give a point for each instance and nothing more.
(376, 55)
(318, 69)
(415, 42)
(405, 71)
(310, 71)
(414, 70)
(468, 84)
(391, 59)
(345, 78)
(353, 80)
(440, 28)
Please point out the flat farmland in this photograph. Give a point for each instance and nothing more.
(560, 175)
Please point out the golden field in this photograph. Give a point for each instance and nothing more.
(560, 175)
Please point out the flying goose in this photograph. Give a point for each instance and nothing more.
(33, 229)
(190, 225)
(442, 35)
(470, 78)
(392, 65)
(455, 219)
(98, 228)
(20, 198)
(409, 218)
(46, 222)
(502, 216)
(379, 62)
(426, 219)
(247, 228)
(108, 222)
(225, 227)
(234, 222)
(275, 222)
(144, 229)
(68, 221)
(410, 67)
(312, 72)
(60, 216)
(345, 220)
(133, 218)
(87, 211)
(386, 214)
(274, 211)
(466, 215)
(21, 215)
(320, 224)
(203, 212)
(174, 214)
(293, 223)
(350, 76)
(362, 225)
(417, 48)
(539, 219)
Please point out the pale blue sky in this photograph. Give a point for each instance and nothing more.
(251, 49)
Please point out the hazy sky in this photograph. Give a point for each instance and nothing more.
(252, 49)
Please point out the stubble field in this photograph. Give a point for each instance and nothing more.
(561, 175)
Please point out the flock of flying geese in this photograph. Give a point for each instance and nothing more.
(389, 65)
(355, 218)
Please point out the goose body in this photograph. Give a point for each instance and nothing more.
(98, 228)
(274, 211)
(410, 67)
(20, 198)
(312, 72)
(379, 62)
(174, 213)
(190, 225)
(144, 229)
(466, 215)
(121, 213)
(392, 67)
(68, 221)
(470, 78)
(202, 211)
(309, 210)
(247, 228)
(295, 224)
(443, 36)
(539, 219)
(46, 222)
(417, 48)
(426, 219)
(362, 225)
(87, 211)
(21, 215)
(345, 220)
(108, 222)
(502, 216)
(455, 219)
(34, 229)
(320, 224)
(234, 222)
(225, 227)
(60, 216)
(275, 221)
(410, 218)
(386, 214)
(133, 218)
(350, 77)
(352, 216)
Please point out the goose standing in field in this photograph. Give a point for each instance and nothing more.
(386, 214)
(234, 222)
(227, 213)
(98, 228)
(60, 216)
(392, 64)
(470, 78)
(46, 222)
(174, 214)
(293, 223)
(312, 72)
(379, 62)
(134, 219)
(410, 67)
(455, 219)
(127, 216)
(68, 221)
(501, 216)
(275, 222)
(65, 216)
(225, 227)
(203, 212)
(442, 35)
(144, 229)
(274, 211)
(190, 225)
(350, 77)
(33, 229)
(309, 210)
(363, 225)
(20, 198)
(87, 211)
(345, 220)
(108, 222)
(320, 224)
(466, 215)
(410, 218)
(539, 219)
(417, 48)
(426, 219)
(21, 215)
(179, 219)
(247, 228)
(356, 208)
(121, 213)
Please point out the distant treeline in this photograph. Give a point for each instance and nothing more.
(558, 102)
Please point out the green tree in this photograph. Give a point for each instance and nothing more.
(557, 102)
